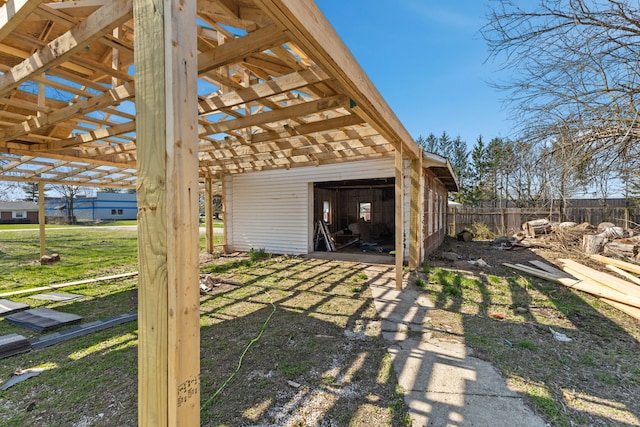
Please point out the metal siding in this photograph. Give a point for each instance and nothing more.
(271, 209)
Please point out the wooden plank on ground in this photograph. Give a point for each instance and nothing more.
(624, 273)
(553, 270)
(584, 272)
(627, 266)
(65, 285)
(631, 311)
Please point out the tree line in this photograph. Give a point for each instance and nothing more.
(504, 172)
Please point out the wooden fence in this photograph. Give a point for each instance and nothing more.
(507, 221)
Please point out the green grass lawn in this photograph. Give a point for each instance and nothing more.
(217, 223)
(85, 253)
(303, 306)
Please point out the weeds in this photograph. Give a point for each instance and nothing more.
(258, 254)
(481, 231)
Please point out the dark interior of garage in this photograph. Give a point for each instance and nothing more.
(357, 214)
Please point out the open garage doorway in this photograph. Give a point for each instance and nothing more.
(358, 215)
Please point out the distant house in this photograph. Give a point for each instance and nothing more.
(18, 212)
(104, 206)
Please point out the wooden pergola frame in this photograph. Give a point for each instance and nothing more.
(213, 87)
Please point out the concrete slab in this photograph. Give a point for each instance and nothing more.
(444, 384)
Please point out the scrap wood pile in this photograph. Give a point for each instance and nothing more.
(606, 238)
(619, 293)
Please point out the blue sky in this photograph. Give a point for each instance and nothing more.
(428, 60)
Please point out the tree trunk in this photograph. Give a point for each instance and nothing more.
(628, 250)
(593, 243)
(536, 227)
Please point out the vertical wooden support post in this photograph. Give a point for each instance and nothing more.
(399, 243)
(168, 244)
(208, 212)
(41, 218)
(414, 216)
(454, 215)
(225, 220)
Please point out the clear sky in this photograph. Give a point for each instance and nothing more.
(428, 60)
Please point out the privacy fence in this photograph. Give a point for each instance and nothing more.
(509, 220)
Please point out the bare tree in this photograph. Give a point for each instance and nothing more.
(69, 193)
(575, 66)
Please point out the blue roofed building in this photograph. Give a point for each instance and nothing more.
(107, 206)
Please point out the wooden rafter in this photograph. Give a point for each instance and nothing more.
(283, 91)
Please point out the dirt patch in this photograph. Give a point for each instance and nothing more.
(507, 318)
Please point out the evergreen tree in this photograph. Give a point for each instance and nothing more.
(31, 192)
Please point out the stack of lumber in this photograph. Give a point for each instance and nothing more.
(619, 293)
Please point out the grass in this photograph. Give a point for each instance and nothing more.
(92, 380)
(505, 318)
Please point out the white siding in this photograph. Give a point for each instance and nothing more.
(272, 209)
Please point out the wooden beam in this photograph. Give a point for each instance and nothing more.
(59, 50)
(13, 13)
(167, 142)
(41, 219)
(235, 49)
(310, 30)
(415, 233)
(261, 90)
(110, 97)
(399, 235)
(302, 109)
(208, 212)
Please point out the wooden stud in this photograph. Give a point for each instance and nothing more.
(227, 53)
(399, 233)
(415, 242)
(41, 218)
(208, 212)
(225, 220)
(167, 141)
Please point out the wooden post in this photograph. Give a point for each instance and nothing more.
(167, 187)
(414, 221)
(208, 212)
(41, 218)
(455, 220)
(399, 243)
(225, 220)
